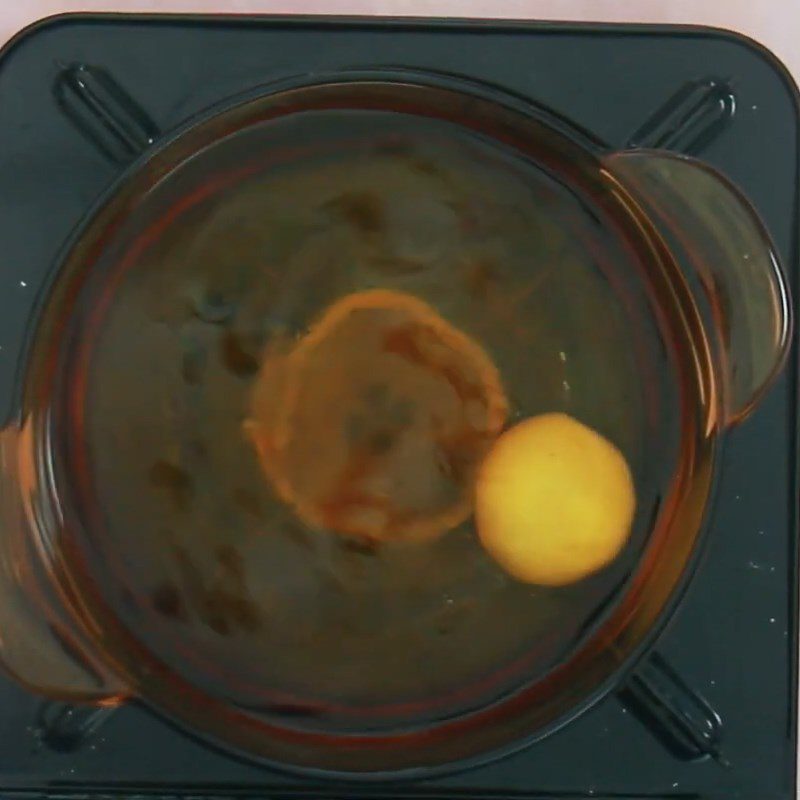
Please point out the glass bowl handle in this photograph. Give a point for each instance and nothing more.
(41, 644)
(708, 220)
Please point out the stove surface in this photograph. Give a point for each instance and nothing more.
(726, 663)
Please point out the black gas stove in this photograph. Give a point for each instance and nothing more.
(712, 713)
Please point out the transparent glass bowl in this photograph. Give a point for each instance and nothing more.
(145, 555)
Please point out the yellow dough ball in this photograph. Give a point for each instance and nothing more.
(554, 500)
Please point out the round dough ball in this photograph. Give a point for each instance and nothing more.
(554, 501)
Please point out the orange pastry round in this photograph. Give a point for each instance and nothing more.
(375, 422)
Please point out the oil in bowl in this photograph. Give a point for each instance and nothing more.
(299, 351)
